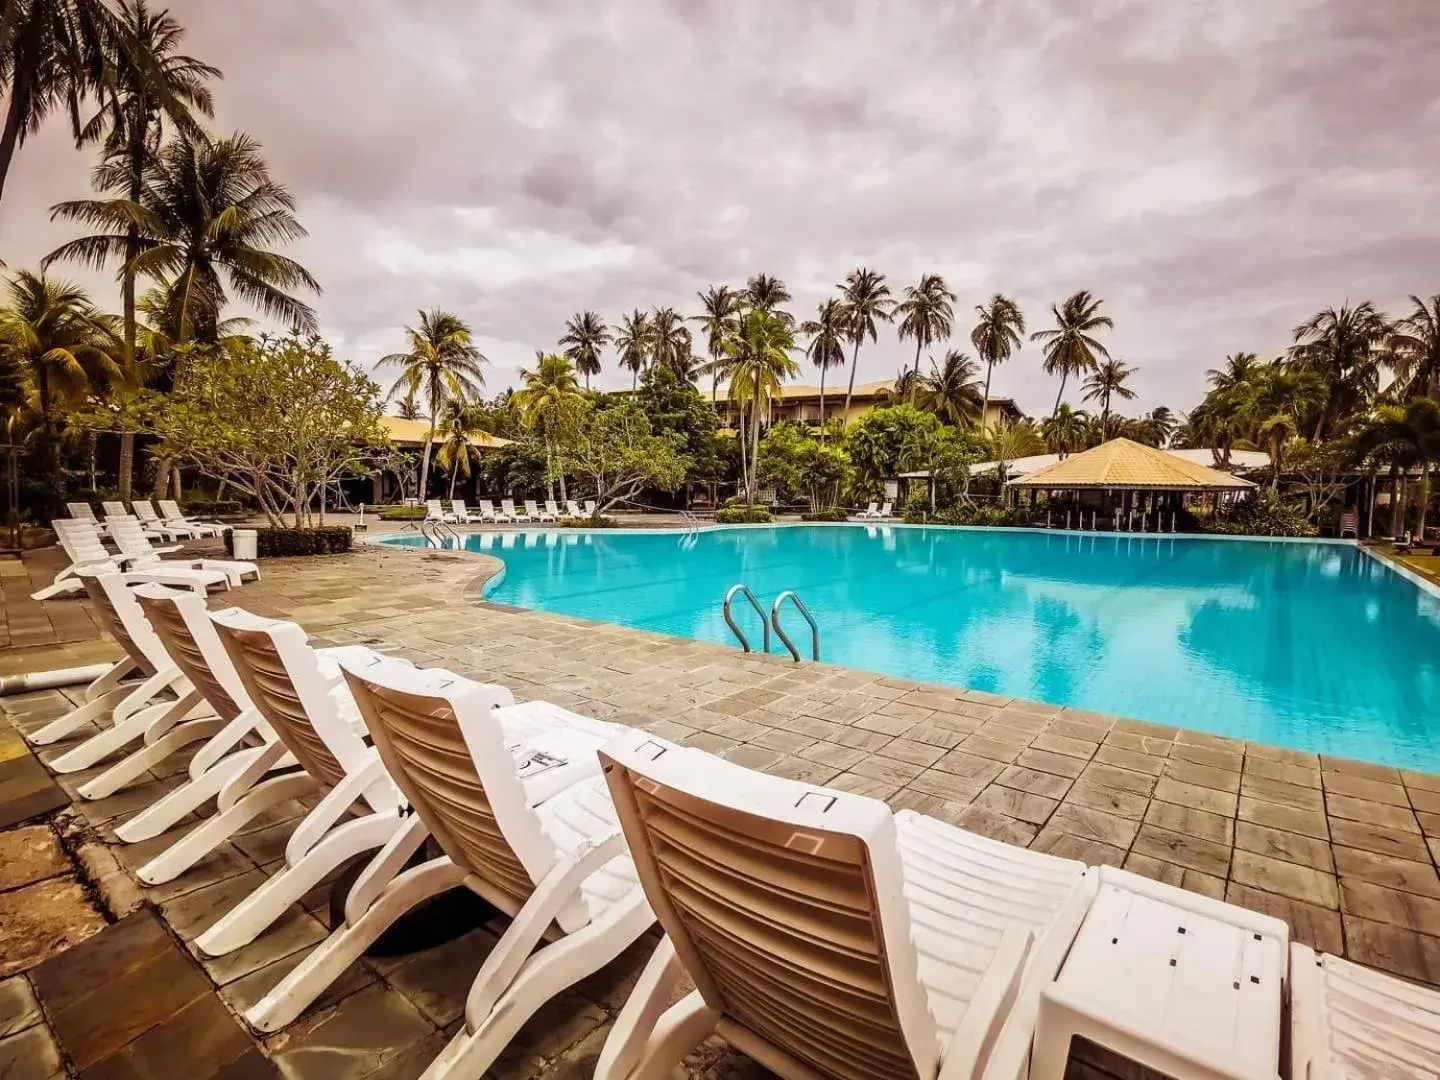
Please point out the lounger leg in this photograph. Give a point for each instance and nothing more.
(174, 805)
(137, 764)
(215, 830)
(248, 919)
(328, 960)
(65, 582)
(100, 746)
(61, 726)
(630, 1039)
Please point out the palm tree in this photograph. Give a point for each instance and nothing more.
(632, 344)
(1072, 348)
(1415, 348)
(952, 390)
(63, 344)
(137, 100)
(671, 343)
(826, 348)
(586, 335)
(1012, 439)
(1064, 430)
(409, 408)
(759, 361)
(866, 301)
(719, 307)
(1107, 380)
(53, 53)
(457, 453)
(1344, 348)
(998, 333)
(1152, 429)
(1273, 402)
(1239, 368)
(549, 401)
(767, 294)
(442, 365)
(1407, 434)
(208, 212)
(927, 313)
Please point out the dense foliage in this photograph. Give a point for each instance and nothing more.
(278, 543)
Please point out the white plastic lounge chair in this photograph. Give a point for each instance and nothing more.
(435, 512)
(886, 512)
(1349, 1022)
(463, 515)
(871, 511)
(123, 711)
(529, 828)
(533, 511)
(508, 505)
(152, 523)
(82, 544)
(128, 537)
(551, 512)
(825, 936)
(572, 509)
(83, 511)
(170, 514)
(116, 509)
(495, 513)
(590, 505)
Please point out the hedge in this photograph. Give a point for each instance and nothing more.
(742, 515)
(206, 508)
(277, 543)
(403, 513)
(587, 523)
(835, 513)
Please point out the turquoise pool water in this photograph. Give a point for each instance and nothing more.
(1313, 646)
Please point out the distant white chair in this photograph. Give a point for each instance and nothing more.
(508, 505)
(462, 514)
(871, 511)
(128, 537)
(551, 511)
(824, 935)
(83, 511)
(1349, 523)
(116, 509)
(885, 513)
(170, 512)
(435, 512)
(572, 509)
(80, 540)
(493, 512)
(154, 523)
(533, 511)
(590, 505)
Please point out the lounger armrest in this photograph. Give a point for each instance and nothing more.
(970, 1046)
(270, 756)
(383, 866)
(555, 890)
(222, 742)
(332, 807)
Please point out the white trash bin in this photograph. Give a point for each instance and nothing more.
(243, 543)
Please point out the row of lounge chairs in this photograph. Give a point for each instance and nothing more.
(813, 929)
(459, 514)
(161, 518)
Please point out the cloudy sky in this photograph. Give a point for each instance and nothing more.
(1215, 171)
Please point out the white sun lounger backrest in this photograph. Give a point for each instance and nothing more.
(145, 512)
(82, 511)
(532, 508)
(114, 508)
(433, 508)
(458, 506)
(551, 507)
(573, 508)
(282, 676)
(447, 753)
(129, 536)
(119, 613)
(80, 540)
(487, 506)
(785, 904)
(182, 623)
(170, 510)
(509, 506)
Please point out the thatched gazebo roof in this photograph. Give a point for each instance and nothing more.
(1124, 465)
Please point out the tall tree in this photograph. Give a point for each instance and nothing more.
(927, 314)
(671, 343)
(760, 361)
(1065, 430)
(1407, 434)
(866, 300)
(53, 54)
(1071, 348)
(1415, 349)
(550, 402)
(998, 333)
(1239, 368)
(632, 344)
(137, 100)
(585, 337)
(719, 308)
(207, 216)
(826, 348)
(63, 344)
(1273, 403)
(457, 454)
(1344, 348)
(952, 390)
(767, 293)
(441, 365)
(1108, 380)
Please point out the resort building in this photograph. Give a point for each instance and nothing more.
(800, 403)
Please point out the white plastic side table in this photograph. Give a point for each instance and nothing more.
(1170, 979)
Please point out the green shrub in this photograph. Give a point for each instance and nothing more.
(212, 508)
(835, 513)
(742, 515)
(402, 513)
(588, 523)
(1262, 515)
(278, 543)
(978, 514)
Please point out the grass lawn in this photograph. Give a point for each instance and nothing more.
(1426, 565)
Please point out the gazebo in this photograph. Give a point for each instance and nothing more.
(1121, 480)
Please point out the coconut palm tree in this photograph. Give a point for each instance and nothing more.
(441, 365)
(207, 216)
(952, 390)
(1071, 348)
(409, 407)
(1107, 380)
(1152, 429)
(1415, 349)
(549, 401)
(585, 337)
(759, 362)
(137, 100)
(632, 344)
(457, 454)
(63, 344)
(1273, 403)
(997, 334)
(927, 314)
(1012, 439)
(1065, 430)
(826, 348)
(767, 294)
(866, 301)
(1344, 348)
(1407, 434)
(1239, 367)
(671, 343)
(719, 306)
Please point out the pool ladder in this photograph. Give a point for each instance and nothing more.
(438, 533)
(772, 621)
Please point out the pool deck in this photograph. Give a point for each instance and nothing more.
(1345, 851)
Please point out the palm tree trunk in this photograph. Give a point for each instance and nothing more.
(754, 451)
(1423, 497)
(14, 121)
(1105, 418)
(822, 402)
(850, 390)
(425, 460)
(1063, 376)
(985, 400)
(549, 469)
(453, 474)
(126, 467)
(915, 374)
(1397, 501)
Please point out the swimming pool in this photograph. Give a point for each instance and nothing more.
(1309, 645)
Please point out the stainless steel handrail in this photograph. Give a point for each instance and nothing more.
(730, 618)
(794, 598)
